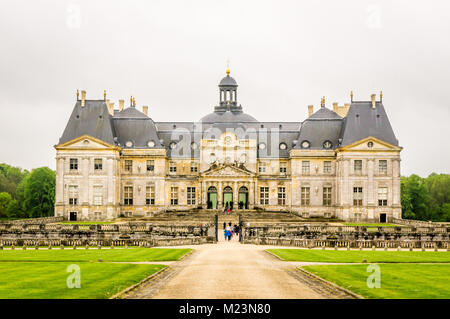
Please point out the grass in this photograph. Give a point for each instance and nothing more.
(86, 255)
(397, 281)
(30, 274)
(356, 256)
(48, 280)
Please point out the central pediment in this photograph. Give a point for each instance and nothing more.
(227, 170)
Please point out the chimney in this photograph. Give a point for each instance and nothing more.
(111, 108)
(335, 107)
(121, 104)
(145, 110)
(372, 97)
(310, 110)
(83, 98)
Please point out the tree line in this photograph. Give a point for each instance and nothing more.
(25, 194)
(426, 198)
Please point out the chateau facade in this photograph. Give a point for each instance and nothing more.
(341, 163)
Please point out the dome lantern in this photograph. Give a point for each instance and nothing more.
(228, 91)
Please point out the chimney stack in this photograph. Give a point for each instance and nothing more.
(83, 98)
(310, 110)
(110, 107)
(335, 107)
(145, 110)
(372, 97)
(121, 105)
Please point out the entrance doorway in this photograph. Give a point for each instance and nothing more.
(212, 198)
(243, 198)
(382, 218)
(228, 197)
(73, 216)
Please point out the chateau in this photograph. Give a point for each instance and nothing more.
(341, 163)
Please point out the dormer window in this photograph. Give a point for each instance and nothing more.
(327, 144)
(305, 144)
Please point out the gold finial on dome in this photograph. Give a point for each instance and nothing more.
(351, 96)
(228, 67)
(78, 94)
(381, 96)
(228, 71)
(104, 95)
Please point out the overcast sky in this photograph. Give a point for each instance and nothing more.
(171, 55)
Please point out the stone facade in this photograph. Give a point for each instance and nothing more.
(113, 163)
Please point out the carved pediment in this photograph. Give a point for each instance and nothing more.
(370, 144)
(227, 170)
(85, 142)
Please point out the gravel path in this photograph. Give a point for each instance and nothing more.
(231, 270)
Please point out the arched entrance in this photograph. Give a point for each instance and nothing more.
(243, 198)
(228, 197)
(212, 198)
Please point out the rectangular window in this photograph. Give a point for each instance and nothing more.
(358, 167)
(327, 196)
(74, 164)
(327, 167)
(357, 196)
(264, 195)
(382, 167)
(281, 195)
(73, 195)
(262, 167)
(150, 195)
(305, 196)
(150, 165)
(191, 196)
(174, 196)
(194, 167)
(98, 195)
(283, 167)
(128, 195)
(172, 167)
(382, 196)
(128, 165)
(305, 167)
(98, 164)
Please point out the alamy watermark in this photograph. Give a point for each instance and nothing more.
(74, 279)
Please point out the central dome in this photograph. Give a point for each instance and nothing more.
(228, 117)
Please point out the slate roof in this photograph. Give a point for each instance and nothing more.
(93, 119)
(323, 125)
(362, 121)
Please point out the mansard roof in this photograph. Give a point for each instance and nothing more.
(363, 120)
(93, 119)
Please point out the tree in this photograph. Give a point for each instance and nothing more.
(39, 192)
(14, 210)
(5, 199)
(416, 198)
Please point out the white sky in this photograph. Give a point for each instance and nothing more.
(171, 55)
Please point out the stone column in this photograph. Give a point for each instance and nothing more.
(235, 195)
(59, 193)
(85, 183)
(370, 183)
(219, 196)
(251, 195)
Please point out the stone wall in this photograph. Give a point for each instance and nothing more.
(347, 236)
(132, 234)
(41, 220)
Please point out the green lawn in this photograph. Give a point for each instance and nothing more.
(357, 256)
(48, 280)
(397, 280)
(28, 274)
(93, 254)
